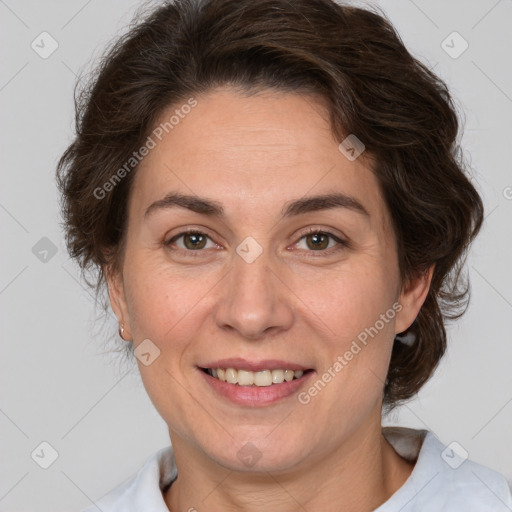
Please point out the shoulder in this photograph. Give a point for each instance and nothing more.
(444, 478)
(142, 491)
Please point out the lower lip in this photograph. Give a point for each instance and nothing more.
(255, 396)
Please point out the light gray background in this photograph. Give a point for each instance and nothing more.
(58, 386)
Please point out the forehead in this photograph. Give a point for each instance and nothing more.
(255, 151)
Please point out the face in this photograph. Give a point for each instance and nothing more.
(269, 279)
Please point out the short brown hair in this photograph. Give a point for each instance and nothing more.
(354, 60)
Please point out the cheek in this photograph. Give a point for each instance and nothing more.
(358, 308)
(360, 311)
(165, 308)
(161, 301)
(350, 300)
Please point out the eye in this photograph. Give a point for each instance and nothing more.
(316, 240)
(192, 241)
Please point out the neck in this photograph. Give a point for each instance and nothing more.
(358, 477)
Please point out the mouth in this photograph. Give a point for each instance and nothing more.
(256, 382)
(261, 378)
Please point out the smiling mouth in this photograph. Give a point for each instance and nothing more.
(261, 378)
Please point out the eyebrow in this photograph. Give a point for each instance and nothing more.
(292, 208)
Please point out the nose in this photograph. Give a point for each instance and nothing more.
(254, 301)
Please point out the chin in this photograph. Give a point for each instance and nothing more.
(259, 455)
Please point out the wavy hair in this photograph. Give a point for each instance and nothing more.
(373, 87)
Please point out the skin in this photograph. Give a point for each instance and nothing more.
(294, 302)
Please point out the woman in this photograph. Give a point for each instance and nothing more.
(270, 190)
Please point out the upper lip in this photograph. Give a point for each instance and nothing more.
(255, 366)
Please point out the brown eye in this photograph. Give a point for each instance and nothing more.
(317, 241)
(320, 241)
(192, 241)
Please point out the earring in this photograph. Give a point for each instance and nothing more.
(406, 339)
(121, 333)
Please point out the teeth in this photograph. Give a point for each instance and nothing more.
(231, 376)
(263, 378)
(260, 379)
(288, 375)
(245, 378)
(277, 376)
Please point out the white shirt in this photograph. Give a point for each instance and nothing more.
(441, 481)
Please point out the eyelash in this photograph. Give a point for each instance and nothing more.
(342, 244)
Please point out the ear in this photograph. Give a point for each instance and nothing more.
(118, 302)
(412, 297)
